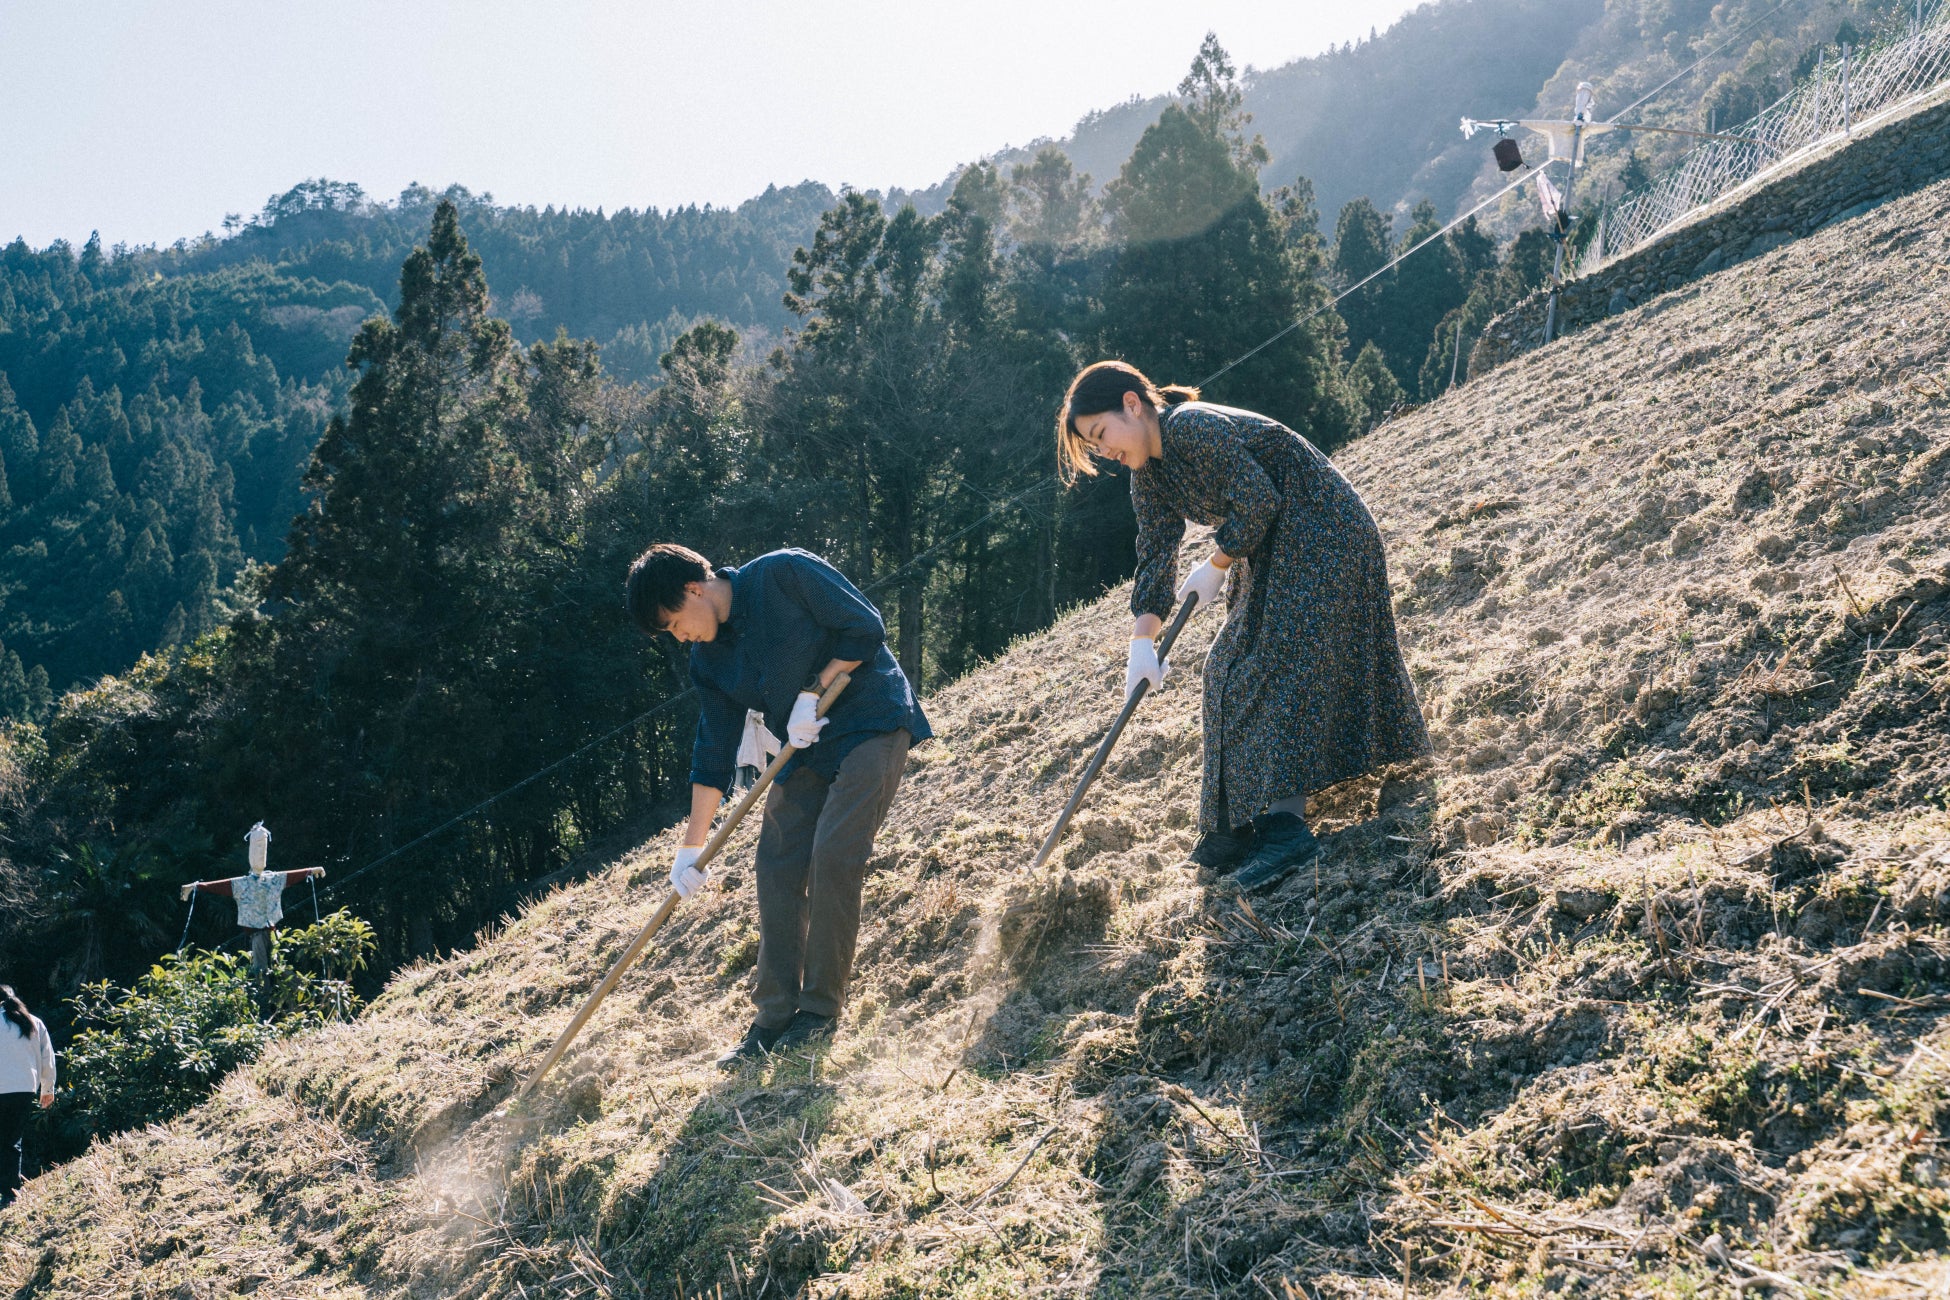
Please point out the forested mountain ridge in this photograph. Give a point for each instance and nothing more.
(621, 279)
(1377, 118)
(148, 448)
(158, 406)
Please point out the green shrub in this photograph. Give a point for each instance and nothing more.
(152, 1051)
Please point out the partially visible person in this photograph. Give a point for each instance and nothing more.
(26, 1075)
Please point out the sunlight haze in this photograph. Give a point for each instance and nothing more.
(151, 121)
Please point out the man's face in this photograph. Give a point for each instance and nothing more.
(695, 620)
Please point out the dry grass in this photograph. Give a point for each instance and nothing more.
(1641, 992)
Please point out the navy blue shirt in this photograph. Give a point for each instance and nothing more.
(791, 615)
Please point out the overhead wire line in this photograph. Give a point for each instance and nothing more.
(1005, 504)
(526, 781)
(1390, 265)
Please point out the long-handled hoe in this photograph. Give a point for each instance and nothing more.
(669, 905)
(1110, 737)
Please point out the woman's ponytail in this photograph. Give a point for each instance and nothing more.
(1178, 394)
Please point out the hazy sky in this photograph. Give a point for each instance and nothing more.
(150, 121)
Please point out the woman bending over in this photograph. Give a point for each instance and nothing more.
(1305, 686)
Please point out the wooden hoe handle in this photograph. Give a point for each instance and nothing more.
(1110, 737)
(669, 905)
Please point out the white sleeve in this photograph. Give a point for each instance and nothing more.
(47, 1056)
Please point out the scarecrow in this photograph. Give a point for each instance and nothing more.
(259, 895)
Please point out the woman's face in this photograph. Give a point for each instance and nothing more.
(1125, 436)
(695, 620)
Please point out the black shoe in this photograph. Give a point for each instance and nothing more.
(1221, 851)
(1284, 842)
(806, 1029)
(759, 1043)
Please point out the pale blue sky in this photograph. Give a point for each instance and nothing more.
(151, 120)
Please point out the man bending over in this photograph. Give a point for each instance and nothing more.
(771, 635)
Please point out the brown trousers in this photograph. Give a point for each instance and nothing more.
(811, 862)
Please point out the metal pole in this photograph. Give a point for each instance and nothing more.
(1598, 236)
(1110, 738)
(1550, 305)
(669, 905)
(1456, 362)
(1563, 235)
(1848, 126)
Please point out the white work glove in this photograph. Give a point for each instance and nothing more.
(1207, 582)
(685, 878)
(805, 724)
(1144, 666)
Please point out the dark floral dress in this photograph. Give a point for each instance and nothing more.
(1305, 686)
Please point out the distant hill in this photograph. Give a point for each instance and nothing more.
(1379, 117)
(630, 280)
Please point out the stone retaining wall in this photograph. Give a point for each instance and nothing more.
(1843, 180)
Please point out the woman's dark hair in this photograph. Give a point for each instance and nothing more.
(15, 1011)
(657, 582)
(1099, 388)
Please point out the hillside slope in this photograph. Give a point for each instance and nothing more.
(1644, 992)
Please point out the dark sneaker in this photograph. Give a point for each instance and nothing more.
(759, 1042)
(1221, 851)
(807, 1029)
(1283, 843)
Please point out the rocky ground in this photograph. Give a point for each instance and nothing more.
(1640, 989)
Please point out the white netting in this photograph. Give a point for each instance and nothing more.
(1840, 96)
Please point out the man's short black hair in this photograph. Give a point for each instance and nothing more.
(657, 581)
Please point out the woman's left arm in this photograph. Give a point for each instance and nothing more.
(1252, 503)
